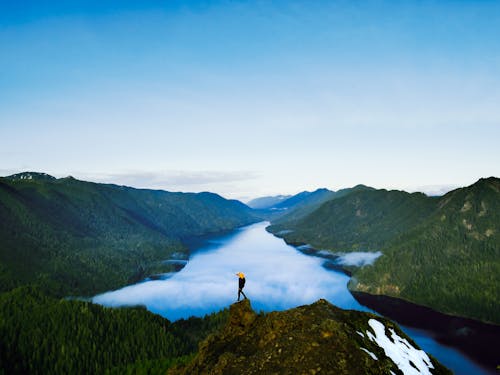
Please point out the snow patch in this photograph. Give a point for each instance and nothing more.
(358, 259)
(360, 333)
(370, 354)
(410, 361)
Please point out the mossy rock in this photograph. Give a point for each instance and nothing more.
(313, 339)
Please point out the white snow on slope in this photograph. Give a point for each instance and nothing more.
(400, 351)
(370, 354)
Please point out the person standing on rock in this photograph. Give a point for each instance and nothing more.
(241, 284)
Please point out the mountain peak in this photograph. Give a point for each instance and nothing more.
(321, 190)
(312, 339)
(493, 182)
(31, 176)
(241, 316)
(362, 186)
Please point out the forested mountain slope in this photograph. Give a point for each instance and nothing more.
(451, 261)
(76, 237)
(442, 252)
(359, 219)
(297, 206)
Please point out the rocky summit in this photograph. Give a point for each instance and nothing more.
(314, 339)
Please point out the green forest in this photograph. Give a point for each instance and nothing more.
(72, 237)
(65, 237)
(45, 335)
(440, 252)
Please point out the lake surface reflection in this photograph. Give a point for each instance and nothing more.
(278, 277)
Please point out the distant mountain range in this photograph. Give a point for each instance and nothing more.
(302, 204)
(361, 219)
(440, 252)
(290, 202)
(274, 208)
(267, 203)
(75, 237)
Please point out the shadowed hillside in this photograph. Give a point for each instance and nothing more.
(75, 237)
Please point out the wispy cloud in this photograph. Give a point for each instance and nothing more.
(171, 180)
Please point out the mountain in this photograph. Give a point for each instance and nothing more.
(264, 203)
(75, 237)
(362, 219)
(305, 203)
(313, 339)
(449, 262)
(440, 252)
(290, 202)
(304, 198)
(297, 203)
(30, 176)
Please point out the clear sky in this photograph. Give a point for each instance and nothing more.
(252, 98)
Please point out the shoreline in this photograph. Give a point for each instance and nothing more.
(311, 251)
(475, 339)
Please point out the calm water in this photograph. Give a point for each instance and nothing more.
(278, 277)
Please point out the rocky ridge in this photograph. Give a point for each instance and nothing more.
(313, 339)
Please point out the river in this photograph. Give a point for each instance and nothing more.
(278, 277)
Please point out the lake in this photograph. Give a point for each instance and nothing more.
(278, 277)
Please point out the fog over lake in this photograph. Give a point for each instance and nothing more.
(277, 277)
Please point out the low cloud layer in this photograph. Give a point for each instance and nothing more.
(358, 259)
(278, 277)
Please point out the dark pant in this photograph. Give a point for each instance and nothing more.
(240, 291)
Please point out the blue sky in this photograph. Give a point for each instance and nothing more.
(252, 98)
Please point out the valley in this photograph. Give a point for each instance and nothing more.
(65, 237)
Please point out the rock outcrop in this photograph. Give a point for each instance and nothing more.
(313, 339)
